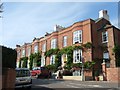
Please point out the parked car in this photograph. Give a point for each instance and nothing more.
(23, 78)
(35, 71)
(40, 72)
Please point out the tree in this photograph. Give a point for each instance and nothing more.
(116, 50)
(1, 8)
(9, 57)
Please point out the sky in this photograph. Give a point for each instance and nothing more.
(22, 21)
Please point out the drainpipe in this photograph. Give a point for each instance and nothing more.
(82, 73)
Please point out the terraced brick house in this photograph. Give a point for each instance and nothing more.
(99, 32)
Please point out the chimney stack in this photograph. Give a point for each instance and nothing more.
(58, 28)
(103, 14)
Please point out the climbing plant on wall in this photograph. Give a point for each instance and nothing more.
(116, 50)
(25, 61)
(31, 61)
(57, 57)
(51, 52)
(58, 60)
(88, 45)
(36, 57)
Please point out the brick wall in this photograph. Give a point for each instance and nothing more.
(113, 74)
(8, 78)
(88, 75)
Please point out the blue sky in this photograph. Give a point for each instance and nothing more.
(22, 21)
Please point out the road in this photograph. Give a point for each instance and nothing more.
(51, 84)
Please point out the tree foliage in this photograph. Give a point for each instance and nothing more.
(35, 57)
(116, 50)
(89, 64)
(25, 61)
(51, 67)
(51, 52)
(9, 57)
(88, 45)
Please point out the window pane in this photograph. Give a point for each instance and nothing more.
(104, 37)
(106, 55)
(36, 49)
(77, 36)
(53, 43)
(64, 41)
(77, 56)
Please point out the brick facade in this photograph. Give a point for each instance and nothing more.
(114, 76)
(91, 32)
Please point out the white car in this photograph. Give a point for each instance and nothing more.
(23, 78)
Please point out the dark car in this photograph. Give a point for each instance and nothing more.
(40, 72)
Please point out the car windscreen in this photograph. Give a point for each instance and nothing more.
(22, 73)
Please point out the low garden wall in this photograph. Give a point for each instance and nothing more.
(87, 76)
(72, 78)
(8, 78)
(113, 74)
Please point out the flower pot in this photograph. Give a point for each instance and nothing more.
(96, 78)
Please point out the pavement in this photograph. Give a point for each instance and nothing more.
(53, 84)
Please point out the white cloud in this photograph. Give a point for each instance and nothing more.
(24, 21)
(34, 19)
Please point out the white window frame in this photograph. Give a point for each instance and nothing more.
(23, 52)
(64, 41)
(77, 56)
(44, 47)
(54, 43)
(64, 58)
(77, 73)
(43, 61)
(29, 51)
(18, 54)
(35, 48)
(77, 36)
(52, 59)
(104, 35)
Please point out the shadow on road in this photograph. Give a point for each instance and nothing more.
(46, 81)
